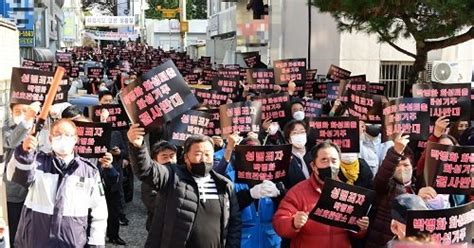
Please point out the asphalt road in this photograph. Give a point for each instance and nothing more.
(135, 233)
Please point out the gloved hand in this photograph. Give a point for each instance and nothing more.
(264, 189)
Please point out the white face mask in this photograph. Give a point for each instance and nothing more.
(403, 175)
(298, 115)
(348, 158)
(298, 140)
(63, 145)
(18, 119)
(273, 129)
(103, 88)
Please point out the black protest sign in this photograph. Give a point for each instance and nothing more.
(93, 139)
(376, 89)
(472, 104)
(44, 65)
(337, 73)
(355, 83)
(410, 116)
(332, 90)
(232, 66)
(160, 96)
(74, 71)
(190, 123)
(208, 75)
(312, 108)
(112, 73)
(453, 100)
(214, 127)
(252, 60)
(29, 85)
(342, 205)
(229, 73)
(359, 79)
(95, 72)
(229, 86)
(181, 65)
(192, 78)
(117, 115)
(274, 106)
(320, 90)
(27, 63)
(243, 75)
(63, 57)
(310, 81)
(287, 70)
(449, 169)
(299, 90)
(342, 131)
(240, 117)
(261, 80)
(255, 164)
(204, 61)
(445, 226)
(211, 97)
(365, 106)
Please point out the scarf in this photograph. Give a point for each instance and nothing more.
(350, 171)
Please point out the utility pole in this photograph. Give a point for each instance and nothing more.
(183, 25)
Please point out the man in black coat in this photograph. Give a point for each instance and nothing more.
(197, 207)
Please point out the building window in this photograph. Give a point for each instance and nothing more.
(395, 76)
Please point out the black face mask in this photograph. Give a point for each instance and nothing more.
(373, 130)
(169, 163)
(201, 169)
(324, 173)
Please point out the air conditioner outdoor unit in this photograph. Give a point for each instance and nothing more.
(445, 72)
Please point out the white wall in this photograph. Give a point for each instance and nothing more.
(289, 34)
(325, 41)
(464, 55)
(160, 32)
(357, 52)
(361, 54)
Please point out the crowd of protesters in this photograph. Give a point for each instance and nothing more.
(56, 198)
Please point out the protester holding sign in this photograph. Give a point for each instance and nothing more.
(190, 196)
(164, 154)
(119, 150)
(439, 136)
(255, 202)
(297, 110)
(72, 184)
(393, 178)
(291, 219)
(14, 132)
(300, 167)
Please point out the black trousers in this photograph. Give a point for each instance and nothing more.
(113, 207)
(14, 214)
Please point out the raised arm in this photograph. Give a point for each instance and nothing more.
(143, 166)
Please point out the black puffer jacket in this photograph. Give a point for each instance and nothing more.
(177, 205)
(387, 189)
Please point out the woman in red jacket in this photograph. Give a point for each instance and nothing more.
(291, 219)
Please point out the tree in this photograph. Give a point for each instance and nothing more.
(433, 24)
(152, 13)
(195, 9)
